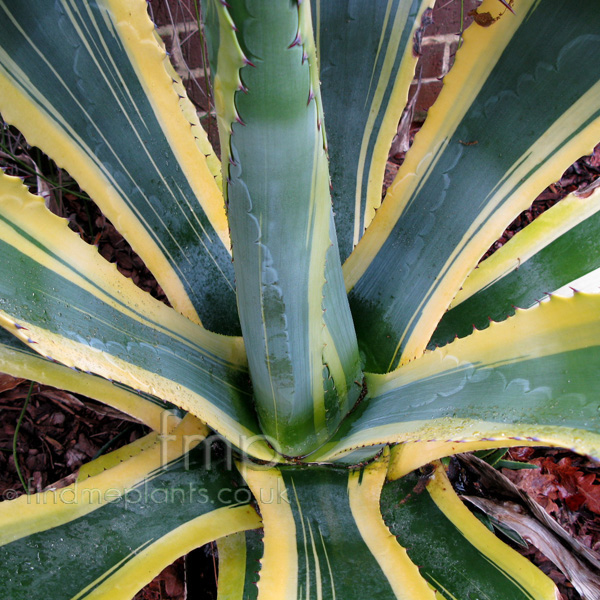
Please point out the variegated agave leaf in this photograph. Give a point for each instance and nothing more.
(336, 306)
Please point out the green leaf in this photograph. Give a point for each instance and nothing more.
(531, 377)
(301, 347)
(163, 513)
(492, 457)
(515, 465)
(557, 248)
(325, 538)
(456, 553)
(86, 83)
(366, 69)
(66, 302)
(521, 103)
(17, 359)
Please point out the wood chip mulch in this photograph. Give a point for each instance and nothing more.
(59, 432)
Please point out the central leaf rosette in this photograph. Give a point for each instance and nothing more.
(300, 340)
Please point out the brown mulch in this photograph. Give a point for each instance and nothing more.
(168, 585)
(566, 485)
(59, 432)
(86, 219)
(569, 490)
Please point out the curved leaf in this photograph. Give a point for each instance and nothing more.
(86, 83)
(457, 554)
(559, 247)
(520, 105)
(120, 528)
(531, 377)
(17, 359)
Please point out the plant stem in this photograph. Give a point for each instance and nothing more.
(15, 436)
(112, 441)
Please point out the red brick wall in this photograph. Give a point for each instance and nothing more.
(440, 42)
(177, 24)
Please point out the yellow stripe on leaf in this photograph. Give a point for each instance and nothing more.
(85, 357)
(571, 134)
(554, 327)
(511, 563)
(27, 515)
(466, 431)
(554, 150)
(43, 132)
(279, 565)
(191, 115)
(364, 490)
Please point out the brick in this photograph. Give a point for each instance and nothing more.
(196, 89)
(446, 16)
(185, 49)
(452, 48)
(434, 59)
(191, 45)
(427, 96)
(166, 12)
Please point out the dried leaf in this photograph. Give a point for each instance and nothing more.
(584, 580)
(75, 458)
(9, 383)
(494, 481)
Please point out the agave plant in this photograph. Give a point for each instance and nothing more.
(331, 385)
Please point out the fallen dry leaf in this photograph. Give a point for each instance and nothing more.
(9, 383)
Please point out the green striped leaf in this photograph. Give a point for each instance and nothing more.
(366, 69)
(532, 377)
(109, 535)
(67, 303)
(521, 103)
(325, 537)
(301, 347)
(456, 553)
(85, 82)
(239, 564)
(17, 359)
(559, 247)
